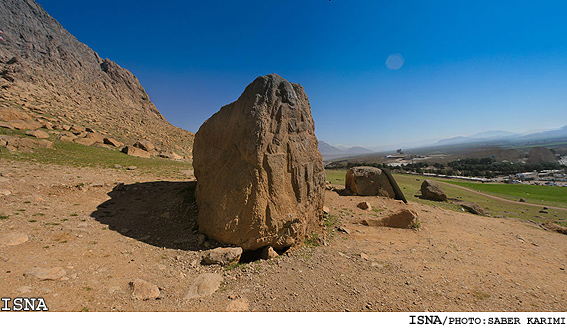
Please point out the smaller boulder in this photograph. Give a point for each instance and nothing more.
(145, 145)
(405, 219)
(143, 290)
(432, 190)
(38, 134)
(133, 151)
(76, 129)
(113, 142)
(204, 285)
(268, 253)
(222, 256)
(170, 155)
(85, 141)
(471, 207)
(364, 205)
(522, 200)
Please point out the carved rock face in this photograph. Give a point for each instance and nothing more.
(259, 171)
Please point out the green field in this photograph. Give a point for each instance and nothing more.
(410, 184)
(544, 195)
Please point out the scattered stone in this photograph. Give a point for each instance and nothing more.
(344, 229)
(143, 290)
(522, 200)
(238, 305)
(47, 125)
(145, 145)
(432, 190)
(5, 192)
(405, 219)
(23, 125)
(222, 255)
(113, 142)
(38, 134)
(170, 155)
(97, 137)
(117, 166)
(131, 168)
(470, 207)
(47, 273)
(368, 181)
(260, 175)
(204, 285)
(545, 208)
(364, 205)
(76, 129)
(7, 125)
(85, 141)
(11, 114)
(543, 212)
(27, 143)
(133, 151)
(12, 238)
(326, 210)
(268, 253)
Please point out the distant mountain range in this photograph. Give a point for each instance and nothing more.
(504, 136)
(489, 137)
(332, 152)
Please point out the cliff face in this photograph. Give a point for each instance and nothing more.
(45, 68)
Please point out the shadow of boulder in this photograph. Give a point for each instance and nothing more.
(161, 213)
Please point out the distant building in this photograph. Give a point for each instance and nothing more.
(528, 176)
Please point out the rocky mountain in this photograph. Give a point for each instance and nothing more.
(331, 152)
(46, 70)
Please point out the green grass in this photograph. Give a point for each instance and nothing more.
(68, 153)
(544, 195)
(336, 176)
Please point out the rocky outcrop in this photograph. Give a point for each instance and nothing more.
(260, 175)
(47, 70)
(432, 190)
(368, 181)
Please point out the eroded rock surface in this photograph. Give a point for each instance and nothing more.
(260, 174)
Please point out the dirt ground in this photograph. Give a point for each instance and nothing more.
(104, 228)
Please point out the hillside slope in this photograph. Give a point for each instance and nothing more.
(45, 69)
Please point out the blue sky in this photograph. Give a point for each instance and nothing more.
(468, 66)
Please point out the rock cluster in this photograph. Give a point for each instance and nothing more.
(259, 171)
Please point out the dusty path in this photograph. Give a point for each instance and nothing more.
(500, 198)
(104, 228)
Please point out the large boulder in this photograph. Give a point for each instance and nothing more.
(432, 190)
(260, 176)
(368, 181)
